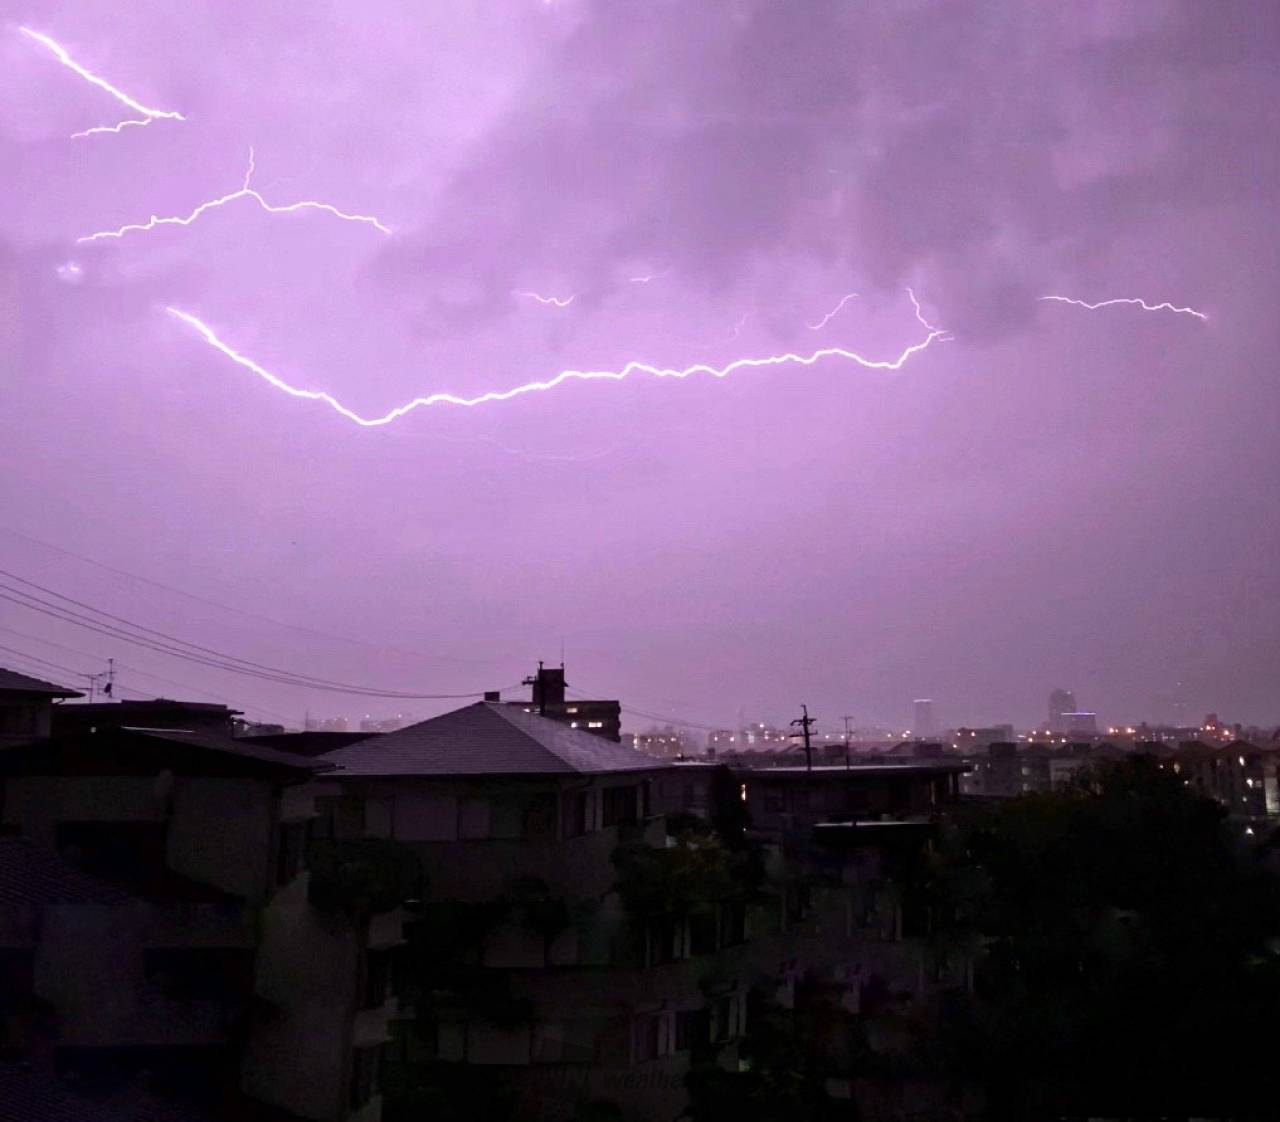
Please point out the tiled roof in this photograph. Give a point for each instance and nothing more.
(33, 874)
(13, 682)
(233, 746)
(489, 738)
(31, 1095)
(20, 757)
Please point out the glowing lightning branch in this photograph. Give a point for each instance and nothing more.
(920, 314)
(626, 371)
(831, 314)
(245, 192)
(148, 114)
(1165, 307)
(558, 301)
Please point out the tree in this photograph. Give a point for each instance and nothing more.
(1129, 952)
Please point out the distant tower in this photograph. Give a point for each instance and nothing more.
(925, 723)
(1060, 702)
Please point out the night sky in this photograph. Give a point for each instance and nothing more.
(1045, 495)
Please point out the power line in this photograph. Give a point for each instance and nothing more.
(651, 716)
(230, 607)
(152, 639)
(140, 673)
(30, 658)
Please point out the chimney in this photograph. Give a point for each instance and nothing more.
(493, 695)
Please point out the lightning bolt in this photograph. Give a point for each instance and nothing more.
(920, 314)
(737, 327)
(245, 192)
(559, 302)
(148, 114)
(1165, 307)
(831, 314)
(787, 358)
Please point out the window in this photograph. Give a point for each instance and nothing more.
(799, 903)
(540, 817)
(620, 805)
(365, 1063)
(291, 857)
(648, 1038)
(733, 923)
(576, 818)
(724, 1018)
(665, 940)
(18, 720)
(377, 978)
(595, 724)
(702, 933)
(693, 1029)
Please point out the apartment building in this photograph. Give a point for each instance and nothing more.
(188, 940)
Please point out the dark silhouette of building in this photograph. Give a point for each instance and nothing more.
(26, 706)
(1060, 702)
(549, 698)
(156, 713)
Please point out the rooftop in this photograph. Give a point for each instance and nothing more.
(828, 771)
(33, 874)
(489, 738)
(13, 682)
(180, 749)
(30, 1095)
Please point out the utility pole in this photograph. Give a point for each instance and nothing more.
(847, 762)
(805, 722)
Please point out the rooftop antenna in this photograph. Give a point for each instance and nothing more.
(846, 720)
(538, 692)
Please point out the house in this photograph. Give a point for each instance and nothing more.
(26, 706)
(208, 940)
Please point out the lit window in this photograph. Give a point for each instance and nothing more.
(573, 724)
(595, 724)
(572, 709)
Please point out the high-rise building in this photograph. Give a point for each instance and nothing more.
(925, 723)
(1060, 702)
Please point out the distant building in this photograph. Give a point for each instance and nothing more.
(1080, 723)
(664, 744)
(720, 741)
(968, 739)
(1060, 702)
(925, 723)
(326, 724)
(384, 724)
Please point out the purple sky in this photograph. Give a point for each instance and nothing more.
(1051, 496)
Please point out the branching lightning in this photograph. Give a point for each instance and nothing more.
(787, 358)
(831, 314)
(148, 114)
(558, 301)
(245, 192)
(1165, 307)
(920, 314)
